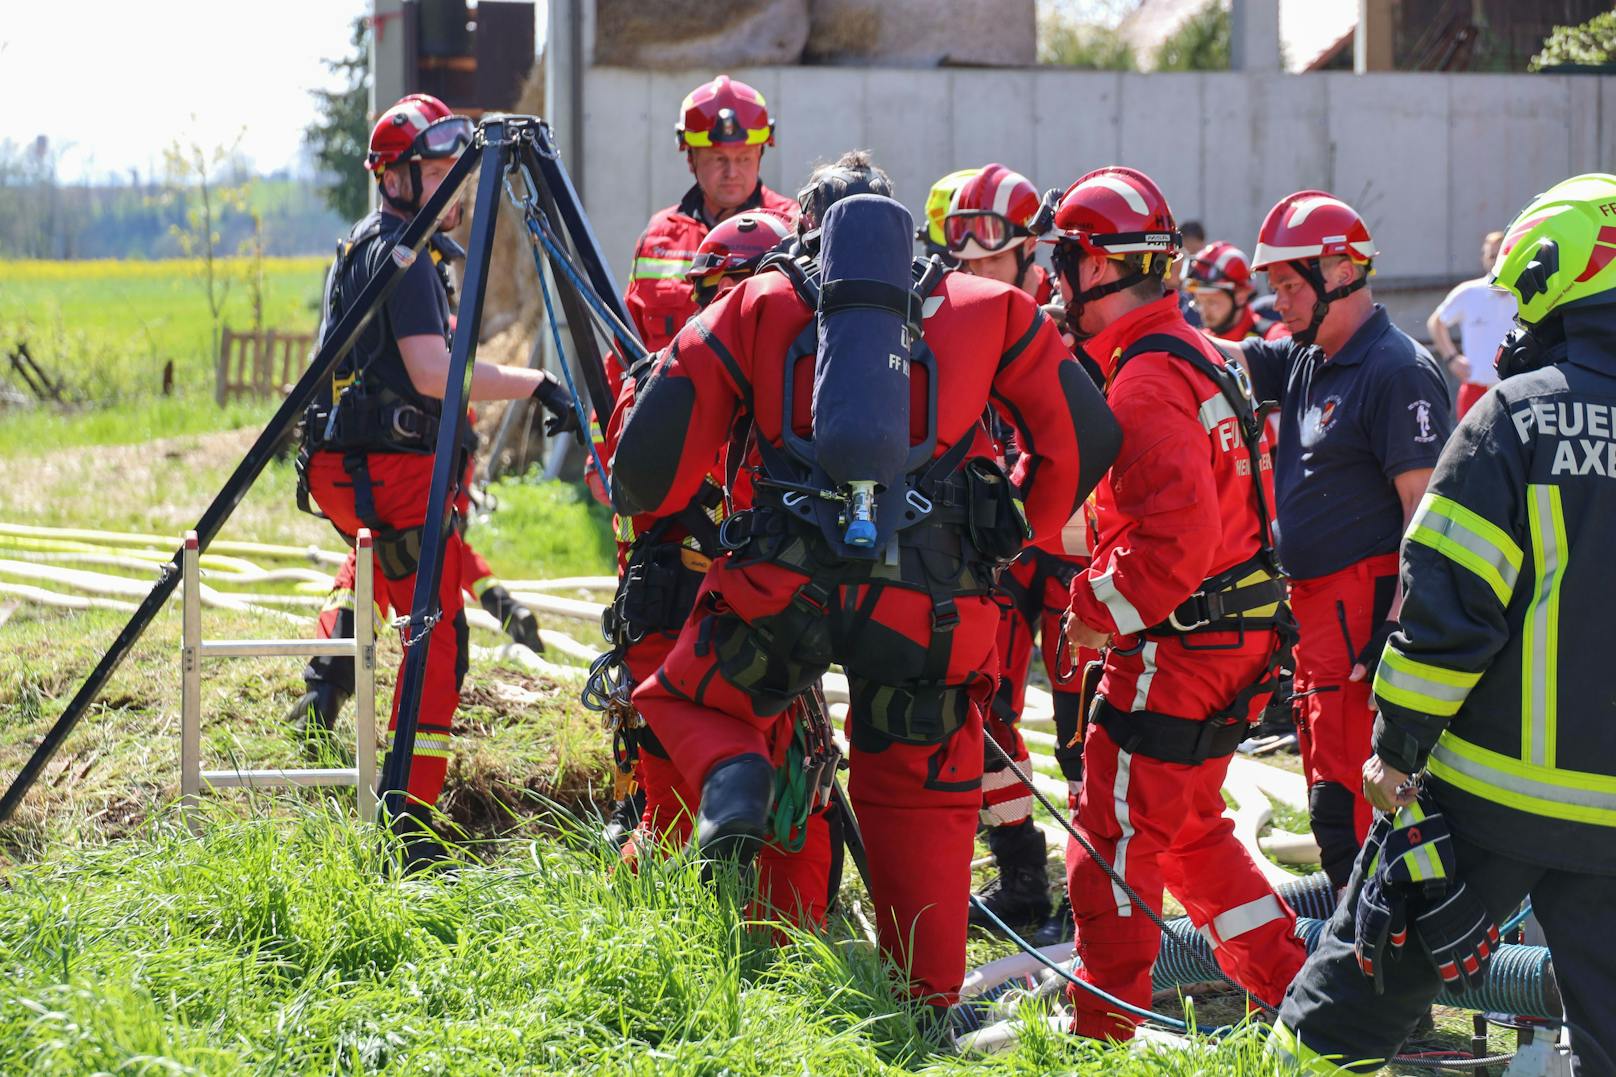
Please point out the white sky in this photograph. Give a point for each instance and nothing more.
(121, 79)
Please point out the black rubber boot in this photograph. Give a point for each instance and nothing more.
(1020, 895)
(314, 715)
(419, 849)
(734, 810)
(516, 619)
(1058, 928)
(625, 818)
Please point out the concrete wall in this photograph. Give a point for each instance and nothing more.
(1432, 161)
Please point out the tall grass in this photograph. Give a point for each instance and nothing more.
(280, 947)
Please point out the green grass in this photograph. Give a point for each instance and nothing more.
(555, 526)
(106, 328)
(280, 947)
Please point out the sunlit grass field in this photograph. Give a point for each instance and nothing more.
(105, 330)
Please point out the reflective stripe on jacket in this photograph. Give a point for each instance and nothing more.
(1500, 682)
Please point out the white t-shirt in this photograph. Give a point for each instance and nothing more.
(1484, 314)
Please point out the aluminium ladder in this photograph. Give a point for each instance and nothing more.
(362, 649)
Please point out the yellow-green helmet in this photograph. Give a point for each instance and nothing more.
(1562, 246)
(937, 203)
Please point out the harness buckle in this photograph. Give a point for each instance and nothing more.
(733, 533)
(918, 501)
(1203, 613)
(400, 427)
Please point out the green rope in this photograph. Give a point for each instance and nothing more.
(792, 797)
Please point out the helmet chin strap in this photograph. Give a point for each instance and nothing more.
(1313, 273)
(1080, 299)
(413, 206)
(1229, 320)
(1024, 261)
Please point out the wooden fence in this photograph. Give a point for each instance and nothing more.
(259, 364)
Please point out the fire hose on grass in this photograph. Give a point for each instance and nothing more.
(1519, 978)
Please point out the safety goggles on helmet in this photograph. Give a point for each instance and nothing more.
(447, 137)
(708, 266)
(992, 232)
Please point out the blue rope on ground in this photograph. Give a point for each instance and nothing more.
(1126, 1007)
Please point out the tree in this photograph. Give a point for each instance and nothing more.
(341, 136)
(1591, 44)
(192, 182)
(1063, 41)
(1200, 44)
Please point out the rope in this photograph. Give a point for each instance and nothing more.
(608, 320)
(585, 424)
(1032, 951)
(1218, 975)
(792, 798)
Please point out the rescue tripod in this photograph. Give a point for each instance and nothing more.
(503, 145)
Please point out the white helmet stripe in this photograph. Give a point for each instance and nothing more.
(1001, 195)
(1135, 200)
(1303, 209)
(417, 117)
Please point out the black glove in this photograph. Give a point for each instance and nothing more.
(1460, 937)
(1408, 855)
(558, 402)
(1380, 923)
(1369, 657)
(516, 619)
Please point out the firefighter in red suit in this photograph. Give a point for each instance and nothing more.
(722, 130)
(367, 454)
(662, 563)
(1218, 279)
(1184, 595)
(913, 626)
(988, 230)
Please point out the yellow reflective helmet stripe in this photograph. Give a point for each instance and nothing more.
(1540, 632)
(754, 136)
(1420, 686)
(1470, 540)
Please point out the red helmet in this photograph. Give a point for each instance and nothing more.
(989, 212)
(724, 111)
(733, 249)
(1309, 225)
(1118, 211)
(418, 127)
(1219, 265)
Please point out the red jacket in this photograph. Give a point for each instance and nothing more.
(1177, 507)
(991, 342)
(658, 295)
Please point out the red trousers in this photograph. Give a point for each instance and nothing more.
(1336, 615)
(1469, 393)
(473, 570)
(917, 803)
(1163, 825)
(399, 486)
(794, 886)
